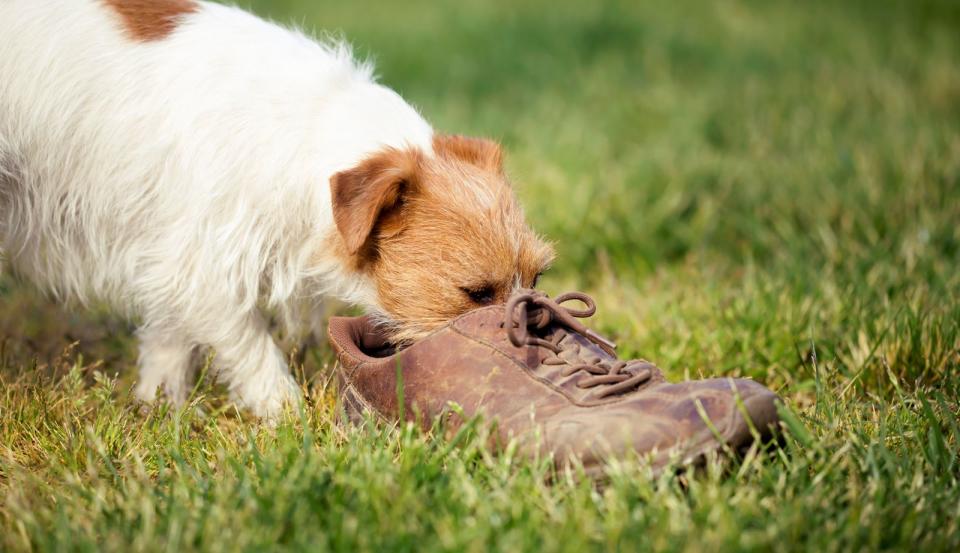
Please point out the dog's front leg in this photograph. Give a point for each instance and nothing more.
(164, 362)
(253, 367)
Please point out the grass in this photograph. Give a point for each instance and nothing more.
(765, 189)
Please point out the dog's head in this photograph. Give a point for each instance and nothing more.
(437, 235)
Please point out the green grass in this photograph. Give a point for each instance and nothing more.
(750, 188)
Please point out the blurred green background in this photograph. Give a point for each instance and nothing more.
(764, 132)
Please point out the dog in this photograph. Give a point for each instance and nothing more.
(199, 169)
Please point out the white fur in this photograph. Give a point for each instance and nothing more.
(184, 180)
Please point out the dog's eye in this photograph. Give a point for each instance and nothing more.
(483, 295)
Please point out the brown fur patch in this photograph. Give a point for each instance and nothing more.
(148, 20)
(481, 152)
(434, 229)
(363, 197)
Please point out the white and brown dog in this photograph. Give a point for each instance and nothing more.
(194, 166)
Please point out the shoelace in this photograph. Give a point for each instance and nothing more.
(537, 312)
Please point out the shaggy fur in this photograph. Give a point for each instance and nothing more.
(229, 166)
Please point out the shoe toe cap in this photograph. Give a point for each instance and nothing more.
(756, 412)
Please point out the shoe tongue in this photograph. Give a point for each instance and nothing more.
(576, 348)
(487, 324)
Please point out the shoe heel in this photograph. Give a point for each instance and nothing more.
(351, 407)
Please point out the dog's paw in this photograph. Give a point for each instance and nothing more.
(149, 391)
(270, 401)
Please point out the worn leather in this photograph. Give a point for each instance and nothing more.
(471, 362)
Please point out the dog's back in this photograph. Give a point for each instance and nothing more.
(118, 123)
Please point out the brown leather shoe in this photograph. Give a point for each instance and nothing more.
(549, 382)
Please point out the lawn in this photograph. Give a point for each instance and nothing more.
(748, 188)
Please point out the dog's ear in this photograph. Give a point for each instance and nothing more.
(371, 195)
(482, 152)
